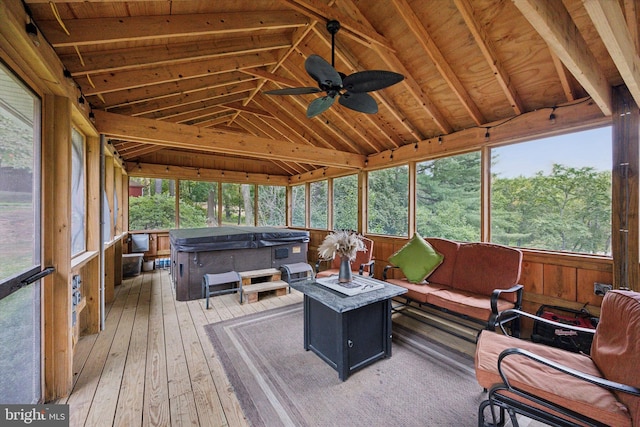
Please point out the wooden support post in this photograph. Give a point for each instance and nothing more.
(56, 205)
(91, 274)
(626, 161)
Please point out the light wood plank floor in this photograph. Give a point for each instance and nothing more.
(153, 365)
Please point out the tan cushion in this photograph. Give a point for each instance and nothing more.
(467, 303)
(548, 383)
(616, 344)
(483, 267)
(416, 291)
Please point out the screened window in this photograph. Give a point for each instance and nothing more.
(345, 203)
(198, 204)
(298, 206)
(20, 307)
(272, 204)
(78, 193)
(389, 201)
(448, 197)
(554, 193)
(319, 204)
(238, 204)
(152, 204)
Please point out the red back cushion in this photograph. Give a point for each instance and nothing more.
(616, 345)
(483, 267)
(449, 249)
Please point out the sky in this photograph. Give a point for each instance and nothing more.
(586, 148)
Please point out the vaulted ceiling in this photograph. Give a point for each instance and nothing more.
(183, 82)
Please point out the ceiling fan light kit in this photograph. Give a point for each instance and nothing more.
(351, 90)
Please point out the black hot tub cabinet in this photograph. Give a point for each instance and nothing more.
(199, 251)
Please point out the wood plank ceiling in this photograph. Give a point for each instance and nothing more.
(181, 83)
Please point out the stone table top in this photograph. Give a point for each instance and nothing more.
(340, 302)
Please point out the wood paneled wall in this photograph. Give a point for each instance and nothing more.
(548, 278)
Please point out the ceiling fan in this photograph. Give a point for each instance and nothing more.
(351, 90)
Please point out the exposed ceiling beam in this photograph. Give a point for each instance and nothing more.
(298, 36)
(178, 111)
(184, 99)
(489, 52)
(127, 28)
(140, 57)
(428, 45)
(611, 25)
(394, 63)
(319, 11)
(132, 79)
(148, 170)
(263, 74)
(164, 90)
(564, 76)
(554, 24)
(195, 138)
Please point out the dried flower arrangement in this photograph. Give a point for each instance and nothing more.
(343, 243)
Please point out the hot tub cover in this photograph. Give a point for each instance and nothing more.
(233, 237)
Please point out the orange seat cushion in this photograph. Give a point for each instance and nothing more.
(547, 383)
(466, 303)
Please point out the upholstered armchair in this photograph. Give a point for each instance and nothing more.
(561, 388)
(363, 263)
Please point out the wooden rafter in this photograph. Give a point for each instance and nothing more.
(563, 75)
(200, 114)
(489, 52)
(180, 100)
(164, 90)
(133, 58)
(351, 27)
(194, 138)
(428, 45)
(394, 63)
(553, 22)
(610, 23)
(178, 112)
(124, 29)
(133, 79)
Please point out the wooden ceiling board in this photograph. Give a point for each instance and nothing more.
(467, 64)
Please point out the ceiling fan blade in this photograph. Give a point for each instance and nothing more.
(361, 102)
(293, 91)
(368, 81)
(322, 71)
(319, 105)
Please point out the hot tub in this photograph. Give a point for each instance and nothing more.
(199, 251)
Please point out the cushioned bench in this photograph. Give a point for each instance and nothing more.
(472, 280)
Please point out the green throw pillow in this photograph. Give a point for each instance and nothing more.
(417, 259)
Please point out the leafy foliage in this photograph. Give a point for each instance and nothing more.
(448, 197)
(389, 201)
(567, 210)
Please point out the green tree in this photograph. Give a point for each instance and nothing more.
(448, 197)
(345, 206)
(389, 201)
(567, 210)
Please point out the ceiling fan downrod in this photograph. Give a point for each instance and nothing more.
(333, 26)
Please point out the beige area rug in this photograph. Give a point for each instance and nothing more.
(278, 383)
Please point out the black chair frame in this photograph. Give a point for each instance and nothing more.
(507, 398)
